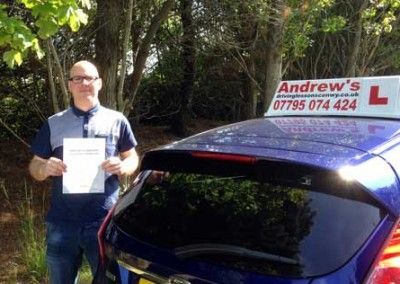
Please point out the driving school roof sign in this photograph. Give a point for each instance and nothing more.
(364, 96)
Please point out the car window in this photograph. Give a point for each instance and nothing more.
(269, 226)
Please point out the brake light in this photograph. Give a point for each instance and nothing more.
(100, 235)
(225, 157)
(386, 269)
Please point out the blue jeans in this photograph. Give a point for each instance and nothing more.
(66, 244)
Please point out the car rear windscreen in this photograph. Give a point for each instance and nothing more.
(269, 224)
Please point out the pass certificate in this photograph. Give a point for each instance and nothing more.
(83, 157)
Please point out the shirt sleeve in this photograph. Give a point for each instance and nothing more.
(41, 143)
(127, 139)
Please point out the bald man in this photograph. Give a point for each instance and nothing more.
(74, 218)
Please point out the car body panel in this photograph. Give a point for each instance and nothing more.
(363, 134)
(368, 147)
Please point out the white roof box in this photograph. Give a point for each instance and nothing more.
(364, 96)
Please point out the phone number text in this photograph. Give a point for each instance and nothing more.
(316, 105)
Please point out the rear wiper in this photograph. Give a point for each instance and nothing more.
(222, 249)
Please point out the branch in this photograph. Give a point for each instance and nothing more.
(127, 31)
(242, 63)
(35, 106)
(144, 52)
(54, 100)
(60, 72)
(14, 133)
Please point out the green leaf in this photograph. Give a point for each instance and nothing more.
(333, 24)
(36, 47)
(22, 39)
(10, 27)
(18, 58)
(44, 10)
(47, 28)
(64, 14)
(50, 16)
(74, 23)
(12, 57)
(75, 20)
(4, 39)
(29, 3)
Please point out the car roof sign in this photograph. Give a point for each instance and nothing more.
(363, 96)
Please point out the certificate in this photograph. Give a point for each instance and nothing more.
(83, 157)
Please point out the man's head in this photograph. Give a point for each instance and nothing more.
(84, 84)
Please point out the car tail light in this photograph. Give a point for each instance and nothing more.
(100, 235)
(386, 269)
(225, 157)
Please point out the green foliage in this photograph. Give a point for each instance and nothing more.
(85, 274)
(333, 24)
(31, 237)
(36, 19)
(31, 240)
(305, 19)
(380, 16)
(389, 54)
(22, 104)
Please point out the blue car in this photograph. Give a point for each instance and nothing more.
(272, 200)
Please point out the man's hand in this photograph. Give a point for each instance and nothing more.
(41, 169)
(113, 165)
(126, 166)
(54, 167)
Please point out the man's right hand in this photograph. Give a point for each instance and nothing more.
(40, 168)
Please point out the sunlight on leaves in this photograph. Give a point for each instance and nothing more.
(82, 16)
(12, 57)
(86, 4)
(36, 47)
(18, 37)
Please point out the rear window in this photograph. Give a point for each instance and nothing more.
(267, 223)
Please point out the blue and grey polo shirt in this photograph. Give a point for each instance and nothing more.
(74, 123)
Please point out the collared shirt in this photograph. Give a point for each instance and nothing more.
(75, 123)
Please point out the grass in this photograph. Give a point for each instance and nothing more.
(31, 240)
(85, 275)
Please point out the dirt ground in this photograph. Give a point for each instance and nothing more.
(15, 184)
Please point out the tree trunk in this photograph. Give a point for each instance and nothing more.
(143, 53)
(127, 32)
(355, 39)
(247, 37)
(62, 81)
(273, 76)
(107, 48)
(181, 120)
(53, 97)
(273, 54)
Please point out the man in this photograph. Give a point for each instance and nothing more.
(74, 218)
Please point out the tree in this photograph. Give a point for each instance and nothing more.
(143, 34)
(354, 38)
(24, 23)
(107, 48)
(273, 52)
(188, 54)
(145, 22)
(24, 26)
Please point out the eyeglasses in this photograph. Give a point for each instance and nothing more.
(80, 79)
